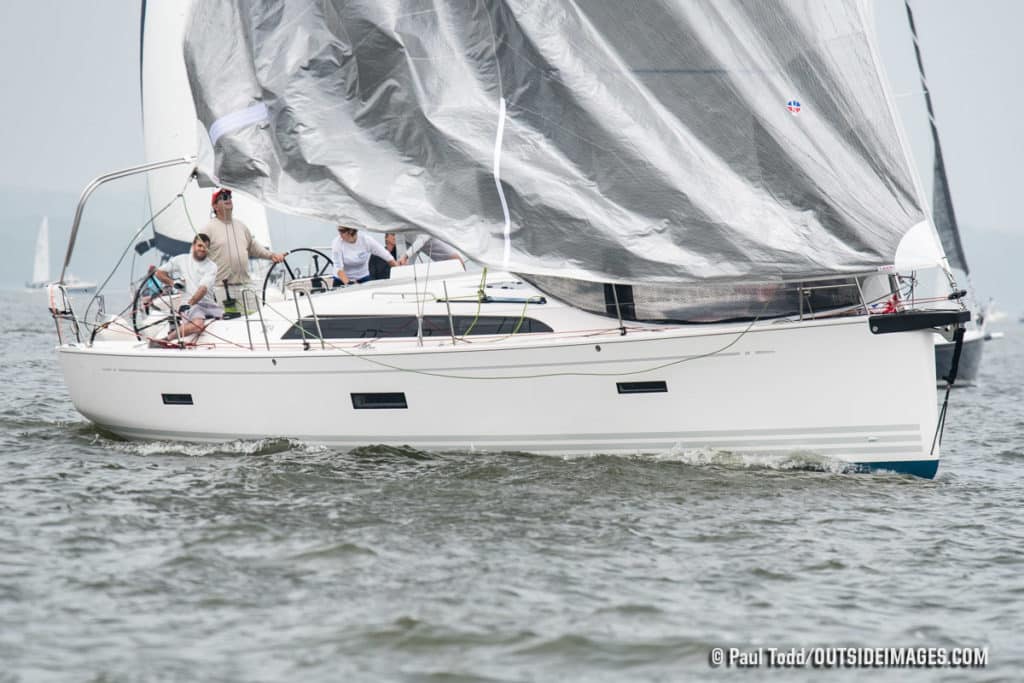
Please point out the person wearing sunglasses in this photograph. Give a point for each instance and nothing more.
(232, 245)
(351, 253)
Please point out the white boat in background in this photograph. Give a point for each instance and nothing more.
(41, 265)
(675, 259)
(72, 283)
(969, 362)
(41, 257)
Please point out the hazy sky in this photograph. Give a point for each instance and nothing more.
(71, 109)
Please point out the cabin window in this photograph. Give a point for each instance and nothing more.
(641, 387)
(376, 326)
(704, 302)
(380, 401)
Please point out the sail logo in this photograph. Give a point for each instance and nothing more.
(793, 107)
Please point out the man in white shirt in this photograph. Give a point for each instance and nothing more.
(198, 274)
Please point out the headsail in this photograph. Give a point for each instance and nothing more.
(170, 128)
(657, 142)
(942, 201)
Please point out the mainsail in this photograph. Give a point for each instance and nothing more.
(657, 142)
(942, 201)
(170, 128)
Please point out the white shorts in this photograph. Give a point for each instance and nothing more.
(203, 310)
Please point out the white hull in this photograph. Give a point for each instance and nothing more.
(72, 285)
(780, 388)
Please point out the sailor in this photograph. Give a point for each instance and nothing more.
(232, 245)
(379, 268)
(351, 253)
(197, 272)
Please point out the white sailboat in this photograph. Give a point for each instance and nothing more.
(699, 268)
(41, 259)
(41, 265)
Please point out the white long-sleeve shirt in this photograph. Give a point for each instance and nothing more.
(354, 257)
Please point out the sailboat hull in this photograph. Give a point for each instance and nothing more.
(970, 358)
(826, 390)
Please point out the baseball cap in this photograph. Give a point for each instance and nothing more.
(226, 193)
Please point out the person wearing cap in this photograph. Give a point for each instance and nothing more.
(232, 245)
(351, 254)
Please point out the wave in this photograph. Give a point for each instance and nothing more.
(255, 447)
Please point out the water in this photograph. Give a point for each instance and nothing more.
(275, 560)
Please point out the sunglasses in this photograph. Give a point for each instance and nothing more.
(224, 196)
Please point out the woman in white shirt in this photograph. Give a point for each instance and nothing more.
(351, 253)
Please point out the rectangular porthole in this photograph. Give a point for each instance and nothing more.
(642, 387)
(177, 399)
(379, 401)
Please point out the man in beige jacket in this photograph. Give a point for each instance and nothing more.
(231, 246)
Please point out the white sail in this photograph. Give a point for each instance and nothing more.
(41, 265)
(170, 128)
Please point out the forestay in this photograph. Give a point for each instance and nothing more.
(942, 201)
(656, 141)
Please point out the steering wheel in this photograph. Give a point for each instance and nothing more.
(297, 263)
(151, 295)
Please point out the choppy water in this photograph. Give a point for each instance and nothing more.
(281, 561)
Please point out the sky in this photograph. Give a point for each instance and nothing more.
(70, 85)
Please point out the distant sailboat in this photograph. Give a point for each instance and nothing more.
(41, 265)
(949, 234)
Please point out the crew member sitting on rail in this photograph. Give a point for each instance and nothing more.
(198, 273)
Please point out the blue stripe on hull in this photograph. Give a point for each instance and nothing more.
(918, 468)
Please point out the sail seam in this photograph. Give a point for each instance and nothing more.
(497, 182)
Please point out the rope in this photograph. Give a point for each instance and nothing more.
(480, 294)
(445, 375)
(131, 241)
(329, 344)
